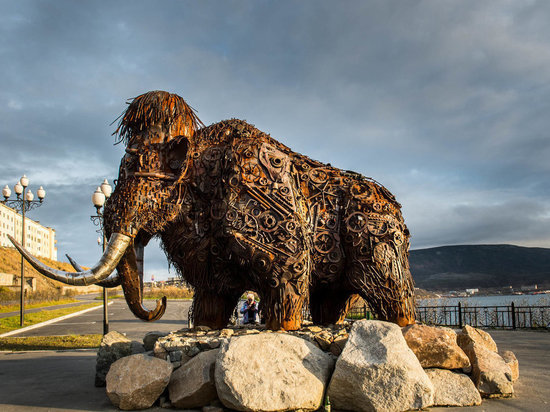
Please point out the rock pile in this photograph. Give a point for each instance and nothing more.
(367, 366)
(179, 347)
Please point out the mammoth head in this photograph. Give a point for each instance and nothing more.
(158, 128)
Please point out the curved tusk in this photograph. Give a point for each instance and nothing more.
(73, 263)
(112, 281)
(130, 281)
(118, 243)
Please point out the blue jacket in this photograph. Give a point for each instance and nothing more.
(247, 312)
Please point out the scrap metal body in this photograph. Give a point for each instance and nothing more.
(236, 210)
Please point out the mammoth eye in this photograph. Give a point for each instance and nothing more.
(177, 152)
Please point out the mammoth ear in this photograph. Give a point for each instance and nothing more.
(176, 154)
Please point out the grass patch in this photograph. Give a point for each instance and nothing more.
(50, 342)
(357, 316)
(12, 322)
(13, 308)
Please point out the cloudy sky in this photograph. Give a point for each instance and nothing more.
(444, 102)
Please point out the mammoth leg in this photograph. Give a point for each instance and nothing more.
(213, 309)
(386, 300)
(330, 307)
(283, 308)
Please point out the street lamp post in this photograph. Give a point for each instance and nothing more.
(24, 202)
(102, 193)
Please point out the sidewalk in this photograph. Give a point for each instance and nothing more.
(64, 381)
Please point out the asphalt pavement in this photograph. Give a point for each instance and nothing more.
(120, 319)
(53, 307)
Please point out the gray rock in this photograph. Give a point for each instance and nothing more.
(377, 371)
(175, 356)
(512, 362)
(137, 347)
(226, 333)
(453, 389)
(160, 351)
(114, 345)
(271, 372)
(324, 339)
(151, 338)
(192, 385)
(338, 344)
(192, 351)
(212, 409)
(490, 373)
(164, 402)
(137, 381)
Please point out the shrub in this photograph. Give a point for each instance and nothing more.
(171, 292)
(7, 294)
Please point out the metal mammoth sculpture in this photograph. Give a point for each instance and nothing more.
(236, 210)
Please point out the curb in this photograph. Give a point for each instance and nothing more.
(48, 322)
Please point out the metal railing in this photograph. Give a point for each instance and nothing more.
(498, 317)
(359, 312)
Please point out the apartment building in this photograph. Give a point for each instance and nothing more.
(40, 240)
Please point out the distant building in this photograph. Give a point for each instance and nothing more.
(529, 287)
(40, 240)
(472, 291)
(14, 282)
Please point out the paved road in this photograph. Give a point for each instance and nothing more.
(120, 319)
(53, 307)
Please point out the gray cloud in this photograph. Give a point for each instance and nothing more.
(444, 102)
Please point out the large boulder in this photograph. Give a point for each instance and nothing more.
(470, 335)
(435, 347)
(377, 371)
(114, 345)
(453, 389)
(151, 338)
(193, 385)
(272, 372)
(490, 373)
(136, 381)
(512, 362)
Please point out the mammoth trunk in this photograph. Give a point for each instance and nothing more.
(132, 287)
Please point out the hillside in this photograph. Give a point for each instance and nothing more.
(480, 266)
(10, 262)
